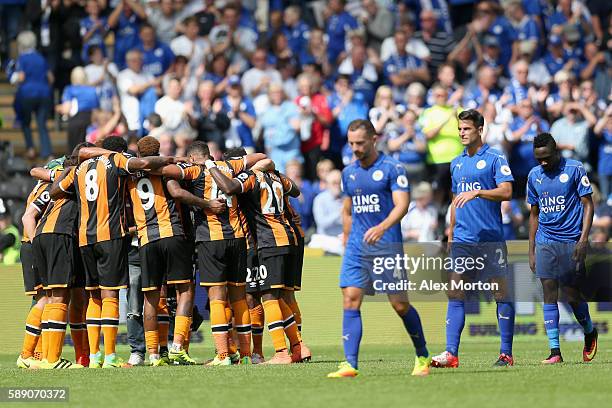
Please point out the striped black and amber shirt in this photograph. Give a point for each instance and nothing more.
(265, 206)
(100, 184)
(293, 217)
(209, 226)
(39, 198)
(60, 216)
(156, 213)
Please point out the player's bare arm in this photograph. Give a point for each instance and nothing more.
(502, 192)
(451, 226)
(41, 174)
(251, 159)
(347, 219)
(217, 206)
(534, 215)
(401, 200)
(148, 163)
(56, 192)
(587, 221)
(29, 219)
(87, 153)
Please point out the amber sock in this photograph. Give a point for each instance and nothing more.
(152, 341)
(218, 325)
(56, 327)
(32, 332)
(297, 313)
(257, 327)
(275, 324)
(181, 328)
(289, 324)
(93, 320)
(242, 320)
(110, 323)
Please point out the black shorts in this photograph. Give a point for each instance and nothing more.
(299, 263)
(252, 271)
(441, 177)
(31, 279)
(222, 262)
(277, 268)
(106, 264)
(54, 260)
(519, 187)
(167, 260)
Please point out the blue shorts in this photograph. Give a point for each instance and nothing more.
(554, 261)
(374, 273)
(480, 261)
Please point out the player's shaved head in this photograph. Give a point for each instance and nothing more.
(234, 152)
(115, 143)
(545, 151)
(198, 152)
(148, 146)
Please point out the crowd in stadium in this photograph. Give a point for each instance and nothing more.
(287, 77)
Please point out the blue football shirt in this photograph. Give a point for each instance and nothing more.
(371, 192)
(558, 193)
(479, 220)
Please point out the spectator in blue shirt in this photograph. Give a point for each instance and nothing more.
(364, 77)
(491, 16)
(526, 26)
(524, 128)
(78, 102)
(280, 124)
(346, 106)
(485, 89)
(295, 30)
(32, 77)
(338, 24)
(242, 116)
(519, 87)
(125, 21)
(157, 56)
(407, 144)
(401, 68)
(603, 130)
(555, 58)
(568, 12)
(93, 28)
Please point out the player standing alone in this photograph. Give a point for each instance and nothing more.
(481, 179)
(561, 216)
(376, 199)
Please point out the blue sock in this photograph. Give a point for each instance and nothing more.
(505, 320)
(351, 335)
(551, 324)
(455, 320)
(581, 311)
(412, 323)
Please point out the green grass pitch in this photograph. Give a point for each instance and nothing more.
(386, 360)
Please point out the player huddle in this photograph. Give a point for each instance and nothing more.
(559, 193)
(235, 212)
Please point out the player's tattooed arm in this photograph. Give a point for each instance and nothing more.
(587, 221)
(534, 214)
(347, 219)
(180, 194)
(401, 200)
(228, 185)
(503, 192)
(41, 174)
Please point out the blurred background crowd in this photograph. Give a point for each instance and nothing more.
(287, 77)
